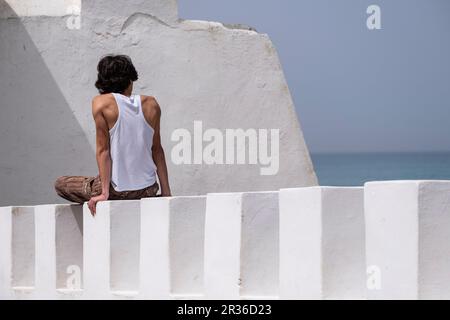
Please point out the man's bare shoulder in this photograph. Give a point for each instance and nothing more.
(101, 102)
(151, 105)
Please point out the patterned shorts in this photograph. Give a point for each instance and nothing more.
(80, 189)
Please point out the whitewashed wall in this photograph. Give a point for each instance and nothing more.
(408, 233)
(388, 240)
(322, 241)
(226, 78)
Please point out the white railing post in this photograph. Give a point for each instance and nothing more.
(408, 232)
(223, 246)
(259, 256)
(23, 252)
(172, 244)
(154, 251)
(186, 236)
(59, 251)
(96, 252)
(45, 238)
(69, 250)
(111, 249)
(125, 223)
(6, 253)
(322, 243)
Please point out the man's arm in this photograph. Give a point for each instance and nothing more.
(102, 153)
(158, 155)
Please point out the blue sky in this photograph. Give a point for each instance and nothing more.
(356, 90)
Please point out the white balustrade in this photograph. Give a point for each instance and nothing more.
(388, 240)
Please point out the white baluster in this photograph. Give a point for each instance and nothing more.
(322, 243)
(223, 246)
(6, 253)
(408, 233)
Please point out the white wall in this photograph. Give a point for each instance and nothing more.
(408, 231)
(226, 78)
(302, 243)
(32, 8)
(322, 254)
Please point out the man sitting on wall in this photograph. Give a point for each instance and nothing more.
(129, 151)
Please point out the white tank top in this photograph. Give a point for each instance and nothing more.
(131, 140)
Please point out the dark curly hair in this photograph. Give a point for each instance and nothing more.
(115, 73)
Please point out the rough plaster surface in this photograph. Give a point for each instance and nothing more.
(407, 227)
(187, 225)
(241, 245)
(322, 243)
(36, 8)
(223, 246)
(23, 247)
(137, 249)
(124, 237)
(59, 245)
(259, 251)
(226, 77)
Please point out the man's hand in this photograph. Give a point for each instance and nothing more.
(92, 204)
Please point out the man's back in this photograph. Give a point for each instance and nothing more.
(129, 153)
(107, 105)
(130, 138)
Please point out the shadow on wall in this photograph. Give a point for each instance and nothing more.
(36, 122)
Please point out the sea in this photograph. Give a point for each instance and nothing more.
(354, 169)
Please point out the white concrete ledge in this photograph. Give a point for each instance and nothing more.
(97, 251)
(305, 243)
(59, 249)
(17, 255)
(222, 246)
(112, 249)
(259, 245)
(6, 253)
(172, 244)
(186, 236)
(408, 233)
(322, 243)
(241, 245)
(155, 244)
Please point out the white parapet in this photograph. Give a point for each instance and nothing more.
(59, 251)
(17, 252)
(241, 245)
(96, 252)
(389, 240)
(259, 256)
(186, 236)
(408, 233)
(6, 253)
(172, 244)
(111, 250)
(322, 243)
(155, 245)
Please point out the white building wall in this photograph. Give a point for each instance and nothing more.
(198, 71)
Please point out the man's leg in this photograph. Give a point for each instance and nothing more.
(149, 192)
(80, 189)
(74, 188)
